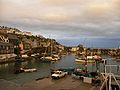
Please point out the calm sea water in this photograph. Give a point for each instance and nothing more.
(7, 70)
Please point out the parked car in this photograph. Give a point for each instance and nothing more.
(21, 70)
(58, 74)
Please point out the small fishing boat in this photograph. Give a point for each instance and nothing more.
(85, 76)
(21, 70)
(50, 58)
(79, 73)
(82, 60)
(88, 59)
(46, 59)
(29, 69)
(55, 57)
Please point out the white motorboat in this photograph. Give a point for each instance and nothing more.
(28, 69)
(82, 60)
(88, 59)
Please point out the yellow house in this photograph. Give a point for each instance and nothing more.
(74, 49)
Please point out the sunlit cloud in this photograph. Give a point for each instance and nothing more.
(97, 9)
(63, 18)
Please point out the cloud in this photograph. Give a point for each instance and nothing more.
(65, 2)
(63, 18)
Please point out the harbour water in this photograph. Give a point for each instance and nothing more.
(43, 69)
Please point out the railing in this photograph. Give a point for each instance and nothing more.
(108, 75)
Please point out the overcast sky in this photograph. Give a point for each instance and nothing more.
(63, 19)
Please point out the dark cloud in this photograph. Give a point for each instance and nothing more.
(86, 19)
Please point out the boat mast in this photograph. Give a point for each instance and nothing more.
(50, 46)
(85, 57)
(86, 60)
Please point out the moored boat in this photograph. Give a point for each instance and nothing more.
(81, 60)
(25, 70)
(50, 58)
(29, 69)
(87, 77)
(46, 59)
(56, 57)
(88, 59)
